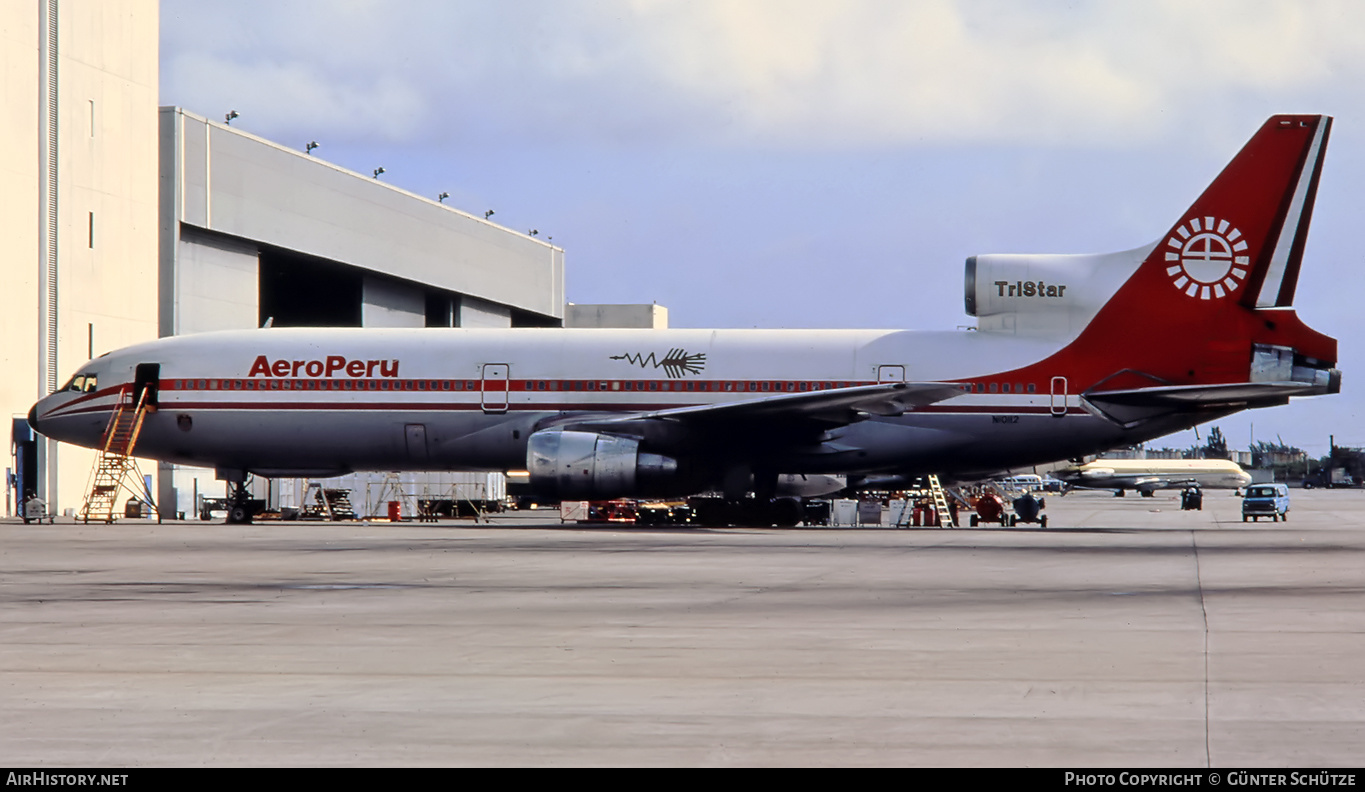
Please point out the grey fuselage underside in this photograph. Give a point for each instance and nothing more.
(279, 442)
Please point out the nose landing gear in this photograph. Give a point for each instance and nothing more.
(241, 506)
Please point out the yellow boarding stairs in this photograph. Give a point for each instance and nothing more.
(115, 461)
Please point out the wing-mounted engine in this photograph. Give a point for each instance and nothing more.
(1048, 295)
(575, 465)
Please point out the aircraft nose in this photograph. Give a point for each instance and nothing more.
(33, 419)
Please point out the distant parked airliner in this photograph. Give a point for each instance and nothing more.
(1149, 475)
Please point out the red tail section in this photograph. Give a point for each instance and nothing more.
(1214, 294)
(1245, 234)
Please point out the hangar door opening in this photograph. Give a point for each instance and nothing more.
(305, 291)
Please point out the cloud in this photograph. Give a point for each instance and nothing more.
(789, 73)
(893, 73)
(299, 96)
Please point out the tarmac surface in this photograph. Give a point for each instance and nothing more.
(1129, 633)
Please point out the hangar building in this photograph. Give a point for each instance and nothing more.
(254, 233)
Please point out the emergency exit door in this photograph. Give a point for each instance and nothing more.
(495, 383)
(1059, 396)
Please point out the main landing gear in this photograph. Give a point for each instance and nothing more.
(754, 512)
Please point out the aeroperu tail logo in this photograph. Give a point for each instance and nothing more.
(676, 363)
(1207, 259)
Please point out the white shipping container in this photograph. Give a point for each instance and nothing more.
(371, 492)
(845, 512)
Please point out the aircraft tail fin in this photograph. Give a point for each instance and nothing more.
(1210, 304)
(1245, 235)
(1241, 242)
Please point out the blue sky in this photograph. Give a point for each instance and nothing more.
(786, 163)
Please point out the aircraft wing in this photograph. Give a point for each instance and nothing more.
(838, 406)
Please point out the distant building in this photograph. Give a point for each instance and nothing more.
(651, 317)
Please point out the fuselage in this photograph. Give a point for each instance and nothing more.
(321, 401)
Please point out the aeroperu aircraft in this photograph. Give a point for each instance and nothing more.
(1072, 355)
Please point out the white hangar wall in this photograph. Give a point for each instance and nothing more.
(239, 194)
(78, 197)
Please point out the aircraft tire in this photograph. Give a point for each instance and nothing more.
(1044, 521)
(239, 515)
(785, 512)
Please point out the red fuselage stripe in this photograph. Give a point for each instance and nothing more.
(446, 389)
(500, 386)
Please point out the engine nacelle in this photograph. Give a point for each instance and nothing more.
(809, 485)
(1044, 294)
(571, 465)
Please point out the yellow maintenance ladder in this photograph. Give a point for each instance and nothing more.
(114, 463)
(944, 514)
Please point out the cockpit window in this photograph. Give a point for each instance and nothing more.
(81, 383)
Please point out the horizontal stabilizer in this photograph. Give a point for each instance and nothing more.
(1130, 407)
(1233, 393)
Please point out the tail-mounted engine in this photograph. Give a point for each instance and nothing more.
(590, 466)
(1043, 294)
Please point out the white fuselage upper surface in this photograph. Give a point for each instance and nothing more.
(606, 355)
